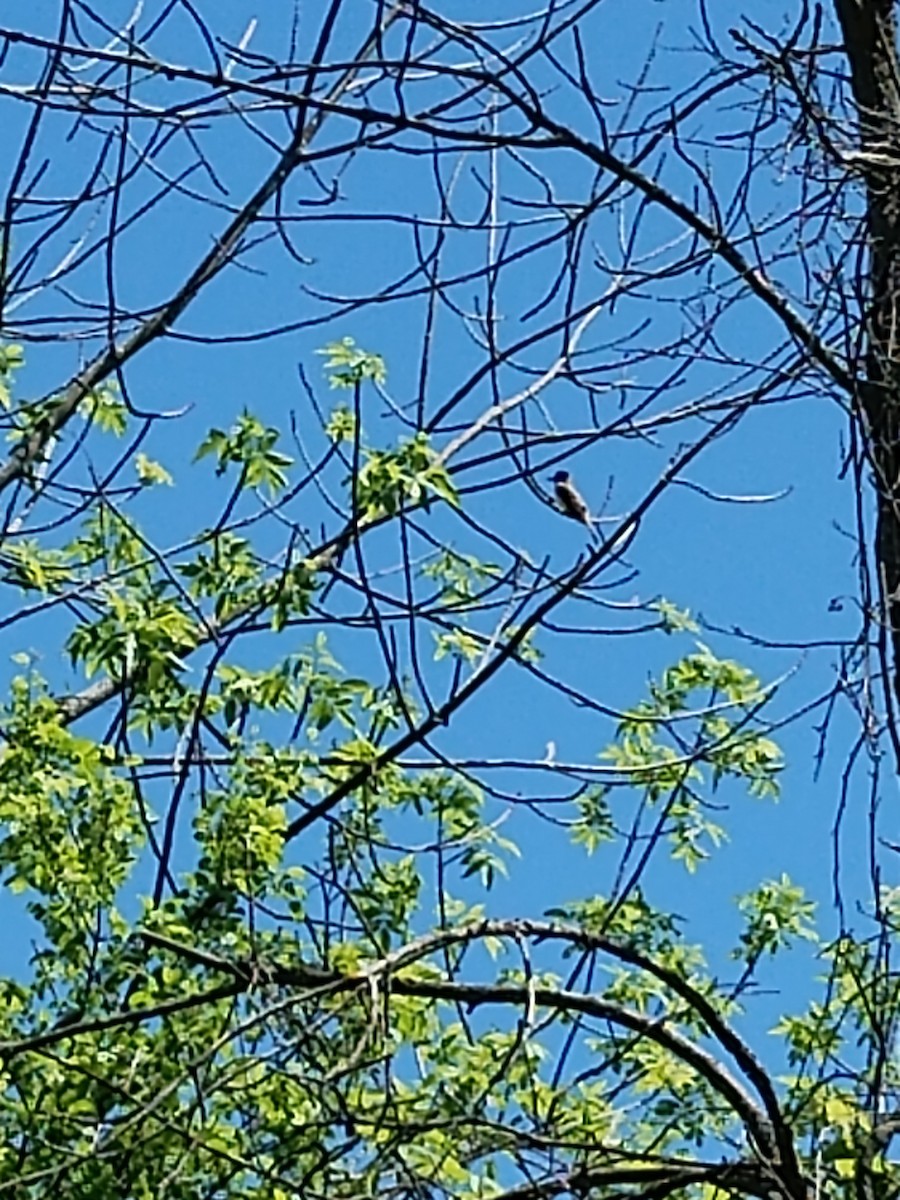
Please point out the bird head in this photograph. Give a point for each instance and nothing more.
(561, 477)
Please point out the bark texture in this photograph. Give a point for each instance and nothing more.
(869, 30)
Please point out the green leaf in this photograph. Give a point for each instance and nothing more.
(150, 472)
(348, 366)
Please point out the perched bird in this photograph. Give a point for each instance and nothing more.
(569, 500)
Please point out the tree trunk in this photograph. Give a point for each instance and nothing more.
(870, 39)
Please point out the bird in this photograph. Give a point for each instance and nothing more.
(570, 501)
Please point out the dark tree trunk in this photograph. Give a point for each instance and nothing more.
(870, 37)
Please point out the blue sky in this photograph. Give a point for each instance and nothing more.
(771, 569)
